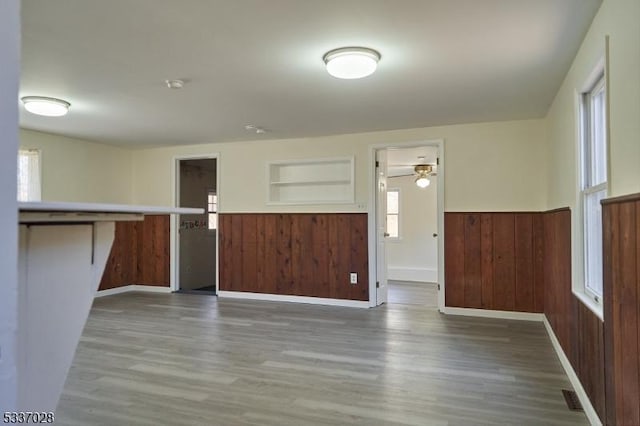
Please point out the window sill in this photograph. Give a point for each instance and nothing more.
(594, 307)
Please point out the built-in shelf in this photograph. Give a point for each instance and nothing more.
(318, 181)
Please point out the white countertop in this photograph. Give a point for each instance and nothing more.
(47, 211)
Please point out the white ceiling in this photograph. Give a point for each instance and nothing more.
(260, 62)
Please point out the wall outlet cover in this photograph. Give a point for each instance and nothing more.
(353, 278)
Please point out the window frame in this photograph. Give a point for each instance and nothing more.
(399, 192)
(587, 187)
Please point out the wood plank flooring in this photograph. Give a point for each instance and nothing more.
(181, 359)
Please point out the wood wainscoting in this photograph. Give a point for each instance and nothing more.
(621, 230)
(521, 261)
(300, 254)
(140, 254)
(494, 261)
(579, 331)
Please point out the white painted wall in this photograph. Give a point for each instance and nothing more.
(414, 257)
(81, 171)
(10, 59)
(619, 19)
(490, 166)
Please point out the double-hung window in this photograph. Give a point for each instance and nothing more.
(212, 210)
(29, 175)
(593, 185)
(393, 213)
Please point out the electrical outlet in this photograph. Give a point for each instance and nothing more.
(354, 278)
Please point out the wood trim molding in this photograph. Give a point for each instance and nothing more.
(622, 199)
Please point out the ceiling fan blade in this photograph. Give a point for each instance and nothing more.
(395, 176)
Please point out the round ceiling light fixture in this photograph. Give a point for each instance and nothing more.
(49, 107)
(351, 62)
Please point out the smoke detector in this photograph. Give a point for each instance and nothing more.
(174, 84)
(253, 128)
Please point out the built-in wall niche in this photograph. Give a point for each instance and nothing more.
(318, 181)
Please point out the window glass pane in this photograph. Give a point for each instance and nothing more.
(598, 137)
(392, 225)
(28, 175)
(593, 242)
(392, 202)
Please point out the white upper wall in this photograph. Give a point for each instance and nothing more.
(414, 257)
(620, 20)
(81, 171)
(489, 166)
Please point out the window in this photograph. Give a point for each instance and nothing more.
(593, 188)
(28, 175)
(212, 210)
(393, 213)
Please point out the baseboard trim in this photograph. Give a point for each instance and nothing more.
(589, 411)
(294, 299)
(487, 313)
(133, 287)
(399, 273)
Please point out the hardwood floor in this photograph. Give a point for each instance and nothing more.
(180, 359)
(413, 293)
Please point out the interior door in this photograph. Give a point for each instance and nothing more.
(381, 227)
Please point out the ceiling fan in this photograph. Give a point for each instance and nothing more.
(422, 173)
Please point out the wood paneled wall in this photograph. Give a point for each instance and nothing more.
(139, 255)
(621, 230)
(494, 261)
(295, 254)
(579, 331)
(522, 262)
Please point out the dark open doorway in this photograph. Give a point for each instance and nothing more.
(197, 234)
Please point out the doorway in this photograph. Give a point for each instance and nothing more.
(409, 219)
(197, 234)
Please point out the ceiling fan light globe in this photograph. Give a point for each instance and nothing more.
(422, 182)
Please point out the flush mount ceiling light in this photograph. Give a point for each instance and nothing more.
(49, 107)
(351, 62)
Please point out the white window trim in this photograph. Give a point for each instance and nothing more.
(399, 237)
(578, 249)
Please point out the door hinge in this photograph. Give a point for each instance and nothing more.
(438, 161)
(377, 163)
(377, 284)
(438, 287)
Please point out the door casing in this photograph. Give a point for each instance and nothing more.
(174, 242)
(372, 213)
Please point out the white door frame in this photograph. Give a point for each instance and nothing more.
(438, 143)
(174, 270)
